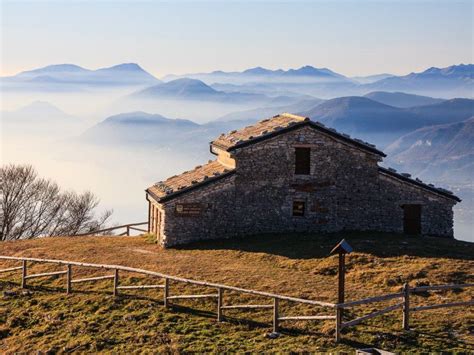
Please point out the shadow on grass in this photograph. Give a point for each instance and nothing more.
(184, 309)
(241, 320)
(383, 338)
(310, 246)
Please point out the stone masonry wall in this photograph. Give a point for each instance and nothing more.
(436, 210)
(344, 191)
(216, 220)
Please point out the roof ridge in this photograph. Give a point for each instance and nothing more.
(416, 181)
(292, 115)
(199, 176)
(283, 122)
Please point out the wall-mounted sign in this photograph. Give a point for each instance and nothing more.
(188, 209)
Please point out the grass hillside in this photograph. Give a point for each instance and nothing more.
(43, 318)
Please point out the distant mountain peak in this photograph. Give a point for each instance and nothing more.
(136, 116)
(189, 84)
(54, 68)
(183, 87)
(125, 67)
(42, 106)
(453, 69)
(41, 109)
(60, 67)
(257, 71)
(310, 71)
(53, 76)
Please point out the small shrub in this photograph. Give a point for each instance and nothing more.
(150, 238)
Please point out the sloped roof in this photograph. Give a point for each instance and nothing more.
(189, 180)
(407, 178)
(279, 124)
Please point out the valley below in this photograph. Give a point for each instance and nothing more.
(136, 130)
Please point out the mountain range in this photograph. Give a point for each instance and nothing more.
(64, 75)
(434, 141)
(193, 89)
(304, 74)
(457, 80)
(452, 81)
(381, 124)
(449, 82)
(361, 117)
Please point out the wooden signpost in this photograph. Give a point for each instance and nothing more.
(342, 248)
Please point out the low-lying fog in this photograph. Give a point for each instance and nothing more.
(118, 173)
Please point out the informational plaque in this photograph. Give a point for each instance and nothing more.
(188, 209)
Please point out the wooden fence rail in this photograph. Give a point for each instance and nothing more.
(128, 228)
(404, 296)
(404, 305)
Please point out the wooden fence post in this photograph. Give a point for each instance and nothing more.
(116, 281)
(68, 278)
(219, 304)
(166, 292)
(275, 315)
(338, 324)
(406, 307)
(128, 231)
(23, 274)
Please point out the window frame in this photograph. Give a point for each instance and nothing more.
(298, 168)
(303, 202)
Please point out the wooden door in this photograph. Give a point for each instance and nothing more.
(412, 219)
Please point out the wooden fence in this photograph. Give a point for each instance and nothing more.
(337, 309)
(403, 303)
(128, 227)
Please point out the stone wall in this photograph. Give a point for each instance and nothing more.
(436, 210)
(215, 220)
(345, 191)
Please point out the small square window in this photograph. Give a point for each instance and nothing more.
(298, 208)
(302, 161)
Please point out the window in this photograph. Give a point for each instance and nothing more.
(298, 208)
(302, 161)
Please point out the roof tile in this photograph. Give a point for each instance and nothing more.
(188, 179)
(271, 126)
(259, 129)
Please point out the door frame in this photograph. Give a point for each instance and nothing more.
(412, 215)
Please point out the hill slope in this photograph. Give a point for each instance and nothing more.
(401, 99)
(90, 321)
(192, 89)
(140, 128)
(442, 151)
(381, 124)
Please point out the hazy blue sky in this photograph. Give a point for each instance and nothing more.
(351, 37)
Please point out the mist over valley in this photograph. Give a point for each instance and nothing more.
(117, 130)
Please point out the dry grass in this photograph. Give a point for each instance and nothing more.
(294, 265)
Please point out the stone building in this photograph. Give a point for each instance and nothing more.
(291, 174)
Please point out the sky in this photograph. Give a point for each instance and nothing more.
(351, 37)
